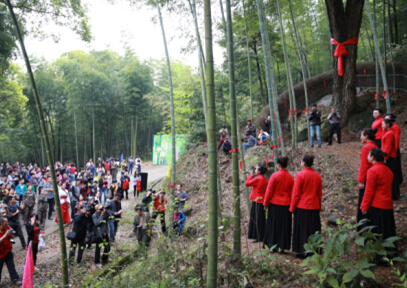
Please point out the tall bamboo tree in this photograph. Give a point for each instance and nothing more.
(65, 279)
(376, 58)
(235, 155)
(380, 59)
(248, 59)
(173, 156)
(212, 269)
(76, 140)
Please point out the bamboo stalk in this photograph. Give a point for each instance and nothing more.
(44, 132)
(248, 59)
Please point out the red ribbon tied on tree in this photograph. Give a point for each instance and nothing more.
(278, 139)
(375, 97)
(307, 89)
(384, 93)
(241, 165)
(306, 110)
(233, 150)
(285, 104)
(374, 69)
(272, 147)
(341, 51)
(275, 116)
(364, 71)
(325, 84)
(171, 185)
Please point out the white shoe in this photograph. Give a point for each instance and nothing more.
(99, 266)
(36, 269)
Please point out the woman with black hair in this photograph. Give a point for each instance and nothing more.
(257, 223)
(277, 203)
(396, 130)
(377, 124)
(377, 202)
(33, 233)
(368, 138)
(389, 147)
(306, 205)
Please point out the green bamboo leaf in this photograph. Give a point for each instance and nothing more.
(367, 274)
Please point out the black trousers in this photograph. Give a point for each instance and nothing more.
(34, 246)
(9, 260)
(162, 219)
(135, 191)
(104, 240)
(50, 207)
(80, 243)
(17, 227)
(127, 193)
(332, 129)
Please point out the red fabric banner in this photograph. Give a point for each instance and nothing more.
(275, 116)
(289, 114)
(341, 51)
(384, 93)
(306, 110)
(272, 147)
(241, 165)
(233, 150)
(325, 84)
(375, 97)
(267, 160)
(171, 185)
(278, 139)
(285, 104)
(307, 89)
(391, 60)
(364, 71)
(374, 69)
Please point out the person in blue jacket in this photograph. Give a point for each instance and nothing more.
(179, 219)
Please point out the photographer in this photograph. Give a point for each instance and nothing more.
(14, 209)
(33, 232)
(6, 251)
(79, 227)
(159, 209)
(334, 126)
(114, 208)
(100, 218)
(142, 227)
(315, 124)
(146, 200)
(42, 209)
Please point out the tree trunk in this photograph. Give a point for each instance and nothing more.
(259, 72)
(396, 28)
(248, 59)
(44, 132)
(344, 25)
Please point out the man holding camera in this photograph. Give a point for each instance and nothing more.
(79, 227)
(250, 128)
(146, 200)
(159, 209)
(90, 226)
(315, 124)
(142, 227)
(100, 219)
(334, 119)
(6, 251)
(114, 208)
(181, 196)
(14, 209)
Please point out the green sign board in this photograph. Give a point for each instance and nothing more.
(162, 148)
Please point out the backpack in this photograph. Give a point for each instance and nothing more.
(126, 184)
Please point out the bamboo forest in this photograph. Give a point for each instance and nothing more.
(267, 137)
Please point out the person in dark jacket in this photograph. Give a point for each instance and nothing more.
(227, 146)
(146, 200)
(315, 124)
(79, 227)
(75, 192)
(142, 226)
(33, 232)
(114, 208)
(250, 128)
(90, 227)
(100, 219)
(334, 125)
(306, 204)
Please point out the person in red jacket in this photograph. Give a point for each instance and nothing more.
(389, 147)
(368, 138)
(257, 223)
(306, 205)
(277, 203)
(159, 208)
(377, 202)
(396, 130)
(377, 124)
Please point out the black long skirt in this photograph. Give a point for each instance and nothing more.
(257, 223)
(306, 223)
(395, 189)
(383, 219)
(378, 143)
(399, 170)
(278, 228)
(359, 215)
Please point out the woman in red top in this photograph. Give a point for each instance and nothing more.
(367, 136)
(306, 205)
(257, 223)
(33, 233)
(396, 130)
(389, 147)
(377, 124)
(377, 202)
(277, 203)
(159, 208)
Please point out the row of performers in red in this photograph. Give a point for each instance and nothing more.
(282, 196)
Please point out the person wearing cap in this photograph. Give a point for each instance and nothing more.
(79, 227)
(114, 208)
(227, 146)
(223, 135)
(90, 226)
(179, 219)
(250, 128)
(315, 124)
(334, 126)
(250, 141)
(142, 227)
(100, 219)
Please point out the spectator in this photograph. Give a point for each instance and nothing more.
(146, 200)
(20, 190)
(181, 196)
(142, 227)
(114, 207)
(227, 146)
(42, 209)
(29, 200)
(33, 231)
(125, 180)
(250, 128)
(100, 170)
(223, 135)
(137, 183)
(100, 219)
(73, 173)
(268, 125)
(138, 164)
(251, 141)
(6, 252)
(113, 168)
(315, 124)
(103, 187)
(179, 219)
(334, 126)
(131, 164)
(90, 226)
(64, 204)
(79, 227)
(14, 209)
(263, 136)
(159, 209)
(75, 193)
(50, 196)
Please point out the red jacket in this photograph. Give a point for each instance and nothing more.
(6, 246)
(279, 189)
(364, 164)
(259, 184)
(378, 125)
(307, 191)
(107, 166)
(378, 188)
(396, 130)
(159, 204)
(389, 144)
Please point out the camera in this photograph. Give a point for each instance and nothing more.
(13, 232)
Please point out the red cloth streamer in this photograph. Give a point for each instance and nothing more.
(272, 147)
(325, 84)
(341, 51)
(391, 60)
(171, 185)
(278, 139)
(251, 120)
(275, 116)
(384, 93)
(233, 150)
(306, 110)
(267, 160)
(285, 104)
(375, 97)
(289, 114)
(364, 71)
(240, 165)
(307, 89)
(374, 69)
